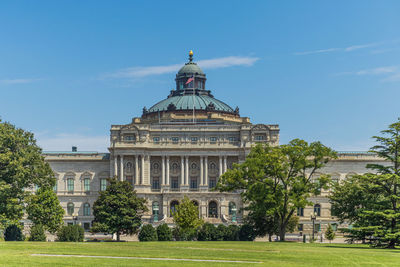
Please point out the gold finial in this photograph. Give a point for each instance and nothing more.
(190, 56)
(190, 53)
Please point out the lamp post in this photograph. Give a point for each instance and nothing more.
(75, 217)
(234, 214)
(313, 217)
(155, 211)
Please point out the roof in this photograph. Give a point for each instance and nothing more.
(185, 102)
(190, 68)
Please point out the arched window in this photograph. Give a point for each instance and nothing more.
(317, 209)
(173, 206)
(70, 208)
(155, 209)
(86, 209)
(300, 212)
(212, 209)
(232, 208)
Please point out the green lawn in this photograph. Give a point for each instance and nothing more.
(269, 254)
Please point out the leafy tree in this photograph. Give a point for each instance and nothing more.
(330, 234)
(44, 209)
(37, 233)
(148, 233)
(247, 233)
(222, 232)
(118, 210)
(21, 166)
(13, 233)
(186, 218)
(207, 232)
(164, 233)
(70, 233)
(278, 180)
(233, 233)
(372, 200)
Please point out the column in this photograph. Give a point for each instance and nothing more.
(206, 170)
(167, 172)
(121, 178)
(148, 170)
(187, 170)
(137, 169)
(182, 171)
(142, 170)
(220, 165)
(202, 180)
(115, 165)
(225, 163)
(163, 169)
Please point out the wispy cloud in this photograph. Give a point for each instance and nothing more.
(389, 73)
(377, 71)
(64, 142)
(345, 49)
(223, 62)
(18, 81)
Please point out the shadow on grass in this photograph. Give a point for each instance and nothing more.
(358, 247)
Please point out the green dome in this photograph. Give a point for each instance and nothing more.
(190, 68)
(185, 102)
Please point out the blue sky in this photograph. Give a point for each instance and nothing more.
(327, 71)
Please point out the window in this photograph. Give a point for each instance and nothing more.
(55, 187)
(70, 208)
(260, 137)
(86, 209)
(156, 183)
(212, 183)
(317, 209)
(70, 185)
(173, 206)
(334, 226)
(300, 227)
(175, 140)
(213, 140)
(156, 140)
(86, 184)
(212, 209)
(231, 139)
(155, 209)
(193, 183)
(181, 85)
(129, 137)
(86, 226)
(174, 183)
(300, 211)
(194, 140)
(317, 227)
(103, 184)
(232, 208)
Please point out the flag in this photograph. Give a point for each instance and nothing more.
(189, 80)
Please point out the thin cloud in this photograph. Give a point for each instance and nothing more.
(345, 49)
(377, 71)
(357, 47)
(18, 81)
(317, 51)
(389, 73)
(64, 142)
(224, 62)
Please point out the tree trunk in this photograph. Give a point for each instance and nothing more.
(118, 236)
(392, 243)
(282, 233)
(269, 237)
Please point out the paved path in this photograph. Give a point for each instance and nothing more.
(140, 258)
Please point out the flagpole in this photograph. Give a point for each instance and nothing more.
(193, 98)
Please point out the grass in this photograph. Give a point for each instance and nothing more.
(269, 254)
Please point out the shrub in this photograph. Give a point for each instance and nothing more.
(13, 233)
(180, 234)
(148, 233)
(247, 233)
(37, 233)
(330, 234)
(207, 232)
(164, 233)
(221, 233)
(70, 233)
(232, 233)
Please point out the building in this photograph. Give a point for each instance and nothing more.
(180, 146)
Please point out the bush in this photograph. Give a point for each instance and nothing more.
(232, 233)
(37, 233)
(70, 233)
(164, 233)
(222, 232)
(13, 233)
(148, 233)
(247, 233)
(207, 232)
(184, 235)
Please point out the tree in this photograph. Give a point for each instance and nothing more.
(118, 210)
(330, 234)
(164, 233)
(207, 232)
(44, 209)
(21, 166)
(372, 200)
(186, 218)
(13, 233)
(148, 233)
(276, 180)
(70, 233)
(37, 233)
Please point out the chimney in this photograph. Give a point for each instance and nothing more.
(74, 149)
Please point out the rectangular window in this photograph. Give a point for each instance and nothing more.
(129, 137)
(103, 184)
(193, 183)
(260, 137)
(86, 226)
(156, 183)
(70, 185)
(334, 226)
(175, 140)
(213, 139)
(212, 183)
(156, 140)
(55, 187)
(300, 227)
(231, 139)
(194, 140)
(317, 227)
(174, 183)
(86, 184)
